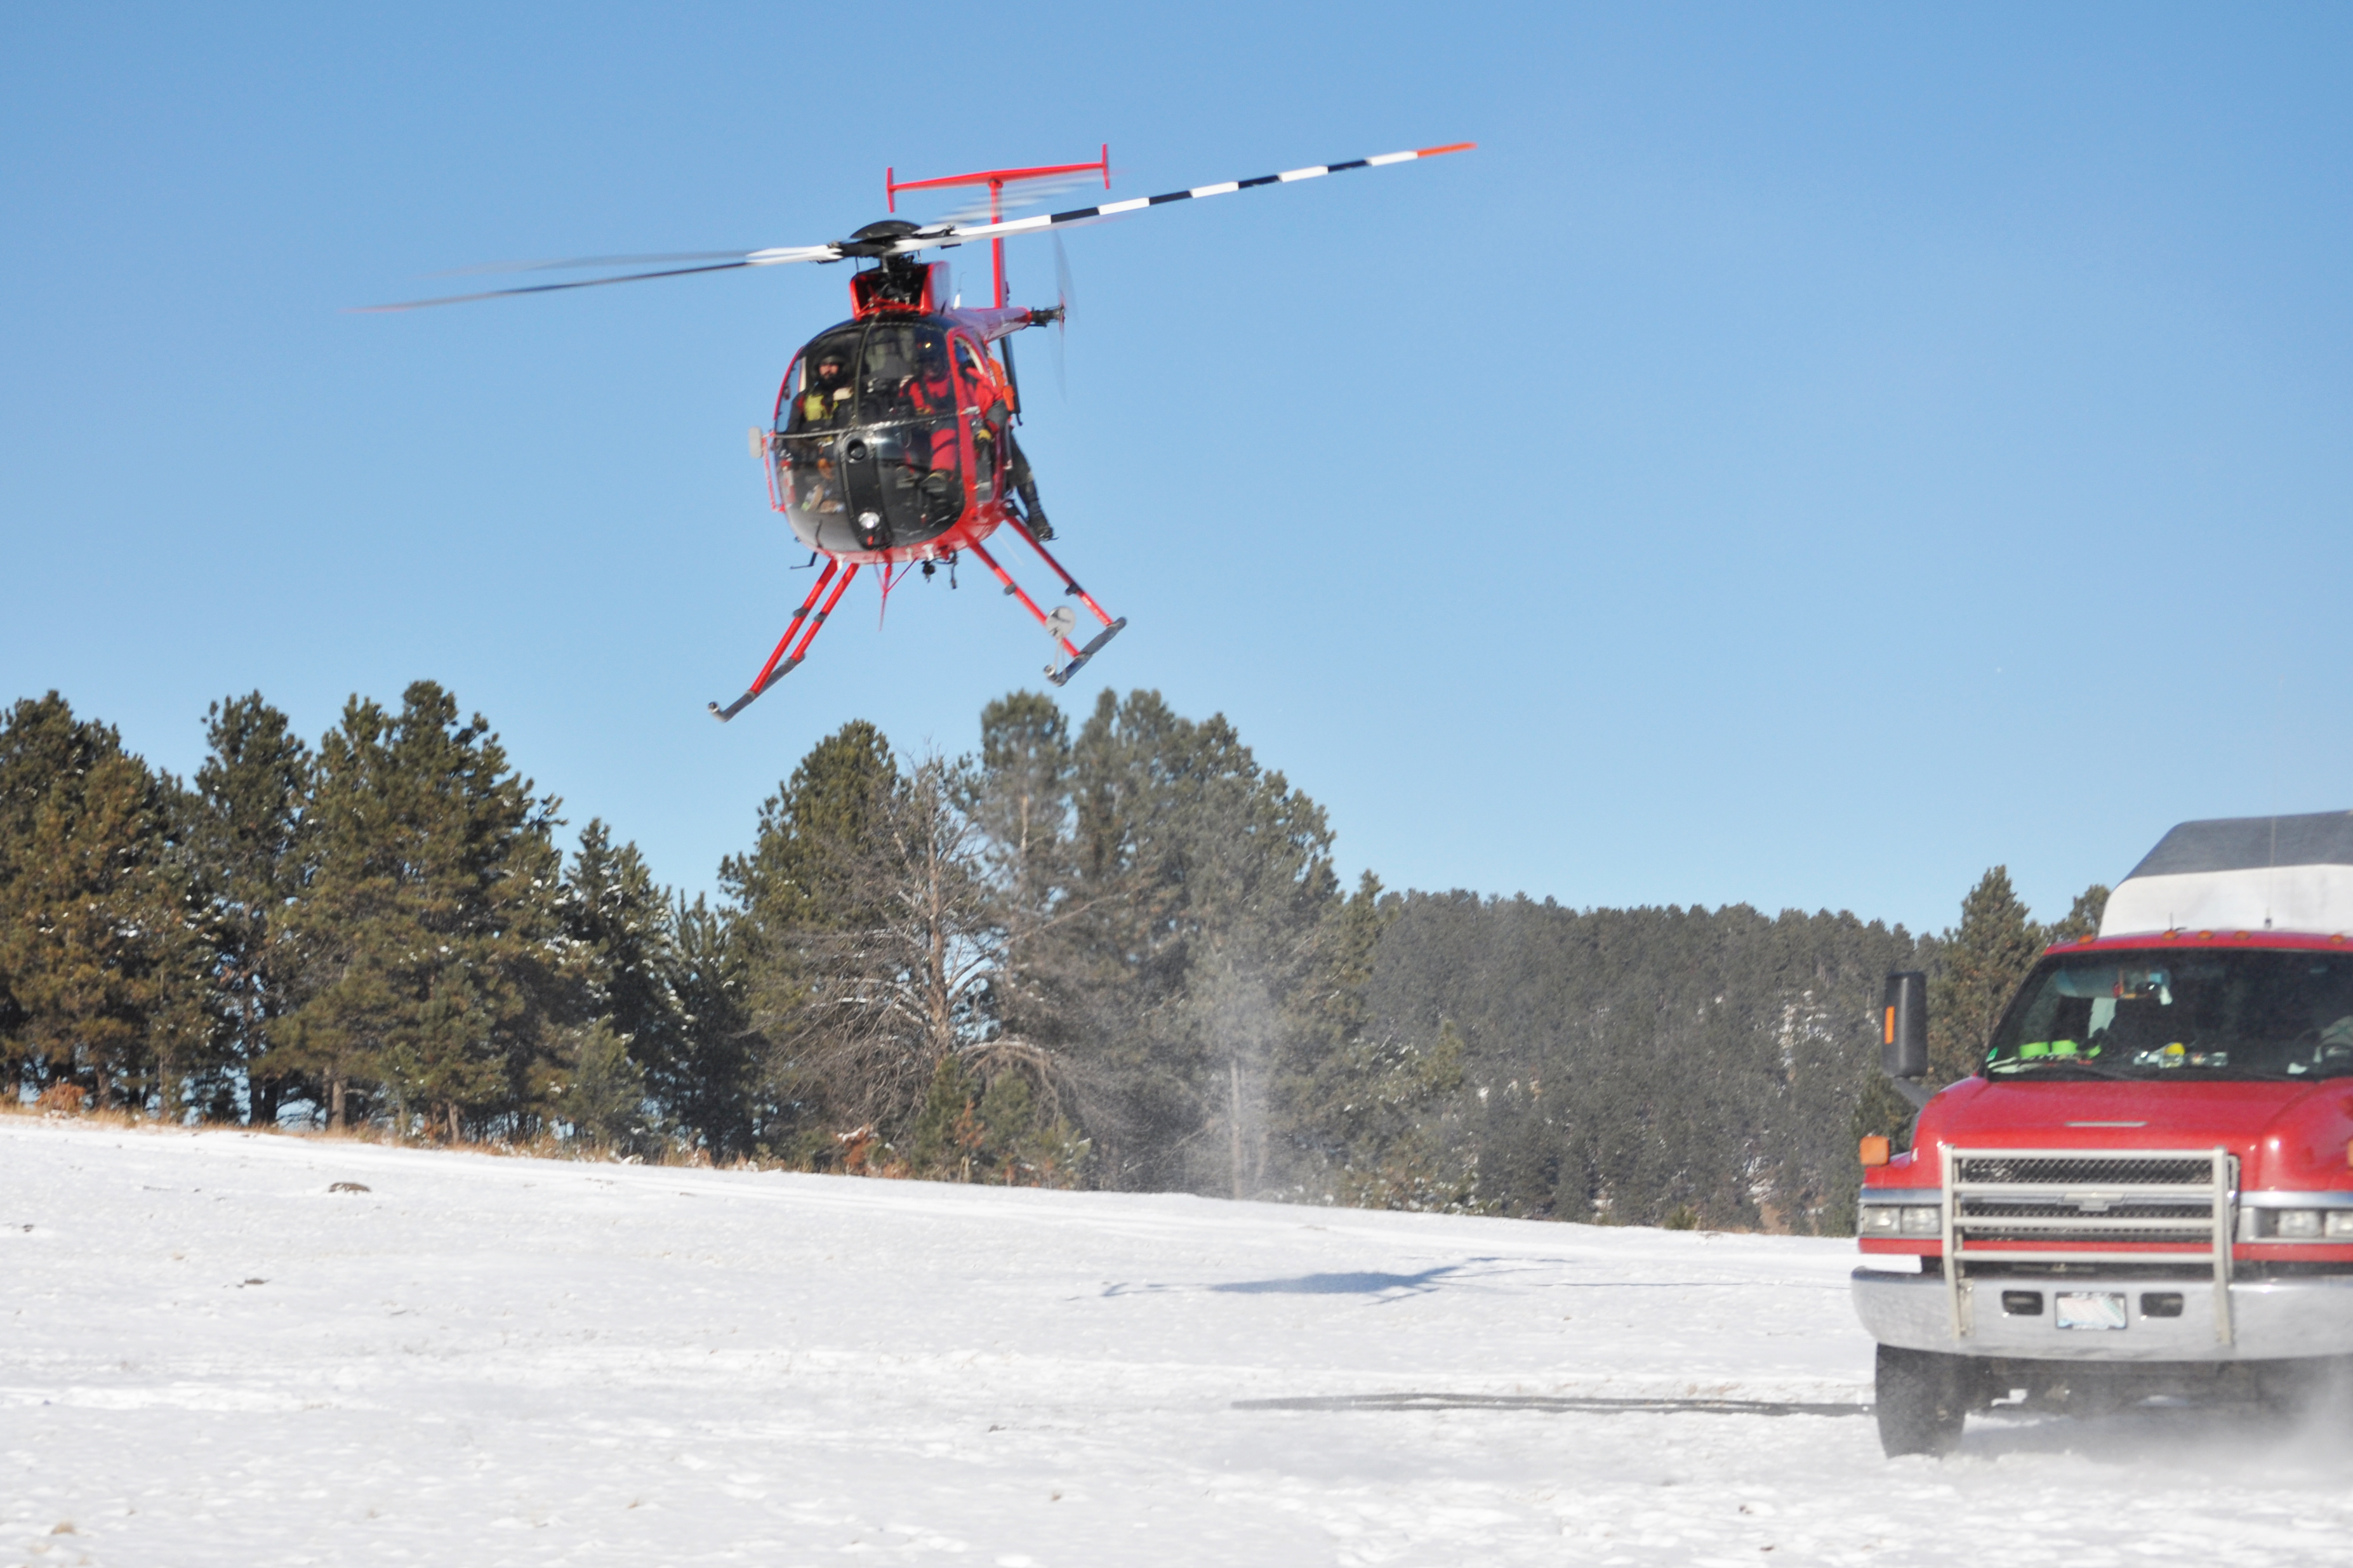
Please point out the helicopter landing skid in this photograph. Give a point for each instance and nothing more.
(779, 663)
(1058, 625)
(1062, 675)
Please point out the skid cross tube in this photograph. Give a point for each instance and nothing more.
(780, 663)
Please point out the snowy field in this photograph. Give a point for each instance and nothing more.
(211, 1358)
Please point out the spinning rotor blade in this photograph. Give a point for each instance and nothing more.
(490, 269)
(900, 239)
(777, 258)
(959, 234)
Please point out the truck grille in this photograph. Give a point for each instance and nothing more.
(2116, 1208)
(2085, 1169)
(1989, 1219)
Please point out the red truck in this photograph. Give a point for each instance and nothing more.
(2147, 1188)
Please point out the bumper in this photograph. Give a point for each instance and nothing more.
(2270, 1318)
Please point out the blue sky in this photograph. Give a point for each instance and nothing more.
(1804, 456)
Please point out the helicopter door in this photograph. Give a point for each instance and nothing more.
(816, 402)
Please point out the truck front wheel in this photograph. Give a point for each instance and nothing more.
(1921, 1398)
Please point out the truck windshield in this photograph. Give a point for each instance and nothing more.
(2157, 1013)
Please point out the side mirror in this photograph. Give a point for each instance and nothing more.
(1903, 1026)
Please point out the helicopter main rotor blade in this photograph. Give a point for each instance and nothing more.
(959, 234)
(777, 258)
(572, 263)
(912, 238)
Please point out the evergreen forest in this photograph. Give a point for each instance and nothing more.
(1109, 954)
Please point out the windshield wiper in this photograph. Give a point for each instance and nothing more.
(2049, 1066)
(2268, 1075)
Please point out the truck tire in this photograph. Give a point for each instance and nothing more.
(1921, 1399)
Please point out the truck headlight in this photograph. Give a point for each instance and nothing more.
(1901, 1219)
(2340, 1223)
(2295, 1225)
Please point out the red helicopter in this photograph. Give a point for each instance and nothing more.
(892, 443)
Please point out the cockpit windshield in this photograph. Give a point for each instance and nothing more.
(904, 374)
(870, 449)
(2180, 1012)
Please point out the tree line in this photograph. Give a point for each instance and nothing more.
(1111, 954)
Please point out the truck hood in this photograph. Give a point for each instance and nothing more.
(2290, 1135)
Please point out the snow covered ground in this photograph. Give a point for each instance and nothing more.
(207, 1356)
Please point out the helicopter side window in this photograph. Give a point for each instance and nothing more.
(976, 379)
(791, 390)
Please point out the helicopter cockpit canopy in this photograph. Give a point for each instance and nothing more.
(868, 448)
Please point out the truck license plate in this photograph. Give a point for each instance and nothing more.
(2089, 1309)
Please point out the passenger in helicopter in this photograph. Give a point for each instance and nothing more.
(819, 490)
(977, 392)
(1026, 488)
(887, 369)
(931, 390)
(983, 456)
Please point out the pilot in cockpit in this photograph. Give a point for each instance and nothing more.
(829, 390)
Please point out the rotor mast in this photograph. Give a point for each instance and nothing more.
(996, 179)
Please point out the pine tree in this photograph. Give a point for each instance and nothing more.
(811, 832)
(432, 923)
(1202, 880)
(1984, 958)
(2083, 917)
(1021, 793)
(903, 977)
(946, 1134)
(620, 921)
(708, 1088)
(41, 743)
(1320, 1077)
(104, 948)
(246, 835)
(604, 1094)
(1616, 1064)
(797, 896)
